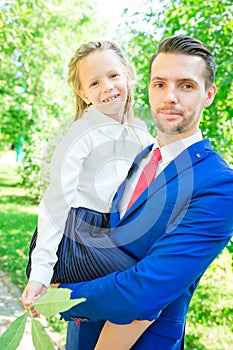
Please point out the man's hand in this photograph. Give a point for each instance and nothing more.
(32, 292)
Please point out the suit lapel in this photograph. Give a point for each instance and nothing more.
(114, 211)
(186, 160)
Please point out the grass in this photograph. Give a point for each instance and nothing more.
(18, 218)
(210, 318)
(17, 221)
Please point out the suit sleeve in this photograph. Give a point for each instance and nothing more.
(172, 265)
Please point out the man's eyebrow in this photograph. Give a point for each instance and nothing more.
(181, 80)
(155, 77)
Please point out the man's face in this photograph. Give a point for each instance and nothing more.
(177, 93)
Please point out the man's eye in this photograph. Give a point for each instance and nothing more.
(158, 85)
(187, 87)
(114, 75)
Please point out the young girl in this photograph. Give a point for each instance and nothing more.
(86, 169)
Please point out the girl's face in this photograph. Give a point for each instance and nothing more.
(104, 81)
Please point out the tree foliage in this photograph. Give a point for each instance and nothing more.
(209, 21)
(37, 40)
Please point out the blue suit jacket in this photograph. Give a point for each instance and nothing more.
(176, 228)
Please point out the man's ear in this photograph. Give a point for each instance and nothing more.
(83, 96)
(210, 95)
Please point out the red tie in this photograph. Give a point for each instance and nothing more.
(147, 176)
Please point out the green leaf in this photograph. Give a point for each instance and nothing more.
(54, 301)
(40, 338)
(11, 338)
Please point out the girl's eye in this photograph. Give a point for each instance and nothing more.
(113, 75)
(95, 83)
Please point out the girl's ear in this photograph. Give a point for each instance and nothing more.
(210, 95)
(128, 75)
(83, 96)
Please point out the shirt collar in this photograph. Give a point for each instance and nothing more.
(172, 150)
(103, 118)
(107, 125)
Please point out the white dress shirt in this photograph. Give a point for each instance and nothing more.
(86, 169)
(168, 152)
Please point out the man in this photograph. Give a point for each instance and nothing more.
(180, 223)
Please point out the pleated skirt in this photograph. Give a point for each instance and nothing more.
(86, 250)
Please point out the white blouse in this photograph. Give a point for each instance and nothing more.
(86, 169)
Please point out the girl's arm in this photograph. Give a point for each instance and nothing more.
(121, 337)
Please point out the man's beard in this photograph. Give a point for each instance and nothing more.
(164, 126)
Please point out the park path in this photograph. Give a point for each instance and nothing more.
(11, 308)
(10, 299)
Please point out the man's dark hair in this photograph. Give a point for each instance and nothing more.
(186, 45)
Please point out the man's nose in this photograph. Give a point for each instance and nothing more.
(170, 95)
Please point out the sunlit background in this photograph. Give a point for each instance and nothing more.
(38, 38)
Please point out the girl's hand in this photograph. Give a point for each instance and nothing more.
(31, 293)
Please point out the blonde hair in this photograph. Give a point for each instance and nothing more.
(73, 73)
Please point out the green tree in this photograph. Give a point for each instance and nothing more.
(37, 39)
(211, 22)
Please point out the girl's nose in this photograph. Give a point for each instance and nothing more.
(107, 85)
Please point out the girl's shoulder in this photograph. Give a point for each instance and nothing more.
(141, 130)
(139, 123)
(83, 124)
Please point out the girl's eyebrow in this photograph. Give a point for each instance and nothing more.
(89, 81)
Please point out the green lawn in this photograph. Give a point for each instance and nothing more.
(210, 319)
(17, 221)
(18, 218)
